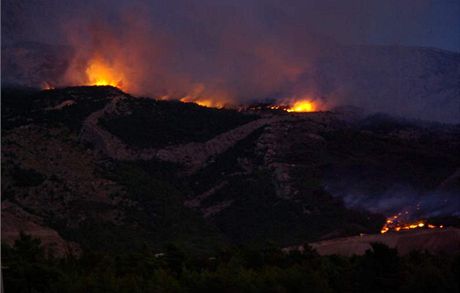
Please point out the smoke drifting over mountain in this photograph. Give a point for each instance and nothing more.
(398, 199)
(239, 51)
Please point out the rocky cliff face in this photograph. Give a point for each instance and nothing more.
(75, 177)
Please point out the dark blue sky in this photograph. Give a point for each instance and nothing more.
(437, 24)
(431, 23)
(428, 23)
(443, 27)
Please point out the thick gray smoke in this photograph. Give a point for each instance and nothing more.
(240, 51)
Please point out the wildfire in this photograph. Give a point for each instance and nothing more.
(395, 223)
(198, 95)
(204, 102)
(302, 106)
(100, 72)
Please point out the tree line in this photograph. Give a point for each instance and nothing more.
(28, 267)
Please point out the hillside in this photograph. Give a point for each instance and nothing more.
(415, 82)
(93, 167)
(432, 241)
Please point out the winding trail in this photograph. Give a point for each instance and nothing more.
(191, 155)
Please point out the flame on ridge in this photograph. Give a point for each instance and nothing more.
(396, 223)
(100, 72)
(302, 106)
(204, 102)
(200, 96)
(297, 105)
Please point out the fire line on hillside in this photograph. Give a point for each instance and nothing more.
(101, 72)
(396, 223)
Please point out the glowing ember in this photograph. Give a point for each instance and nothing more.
(283, 108)
(302, 106)
(99, 72)
(395, 223)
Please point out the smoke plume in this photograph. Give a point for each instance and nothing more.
(402, 199)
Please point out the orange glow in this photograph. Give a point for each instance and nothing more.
(395, 223)
(204, 102)
(198, 95)
(47, 86)
(302, 106)
(100, 72)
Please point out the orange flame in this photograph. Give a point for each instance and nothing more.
(302, 106)
(297, 105)
(204, 102)
(100, 72)
(198, 96)
(394, 223)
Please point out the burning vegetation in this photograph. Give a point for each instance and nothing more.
(204, 102)
(99, 72)
(303, 105)
(299, 106)
(399, 222)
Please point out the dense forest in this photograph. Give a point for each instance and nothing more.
(28, 267)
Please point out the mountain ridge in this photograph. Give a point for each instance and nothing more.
(265, 182)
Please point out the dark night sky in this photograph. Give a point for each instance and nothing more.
(432, 23)
(438, 25)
